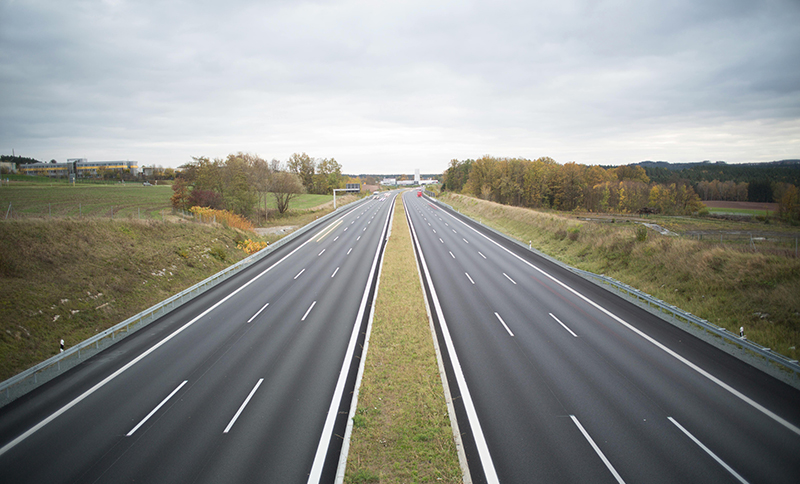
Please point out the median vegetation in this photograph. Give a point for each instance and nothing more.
(731, 285)
(401, 429)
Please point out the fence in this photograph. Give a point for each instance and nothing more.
(45, 371)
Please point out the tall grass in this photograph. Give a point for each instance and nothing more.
(729, 286)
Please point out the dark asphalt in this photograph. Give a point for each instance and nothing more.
(607, 394)
(294, 362)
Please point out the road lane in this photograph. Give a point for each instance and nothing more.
(548, 401)
(221, 356)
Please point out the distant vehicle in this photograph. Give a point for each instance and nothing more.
(419, 193)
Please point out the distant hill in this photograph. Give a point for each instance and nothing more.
(703, 164)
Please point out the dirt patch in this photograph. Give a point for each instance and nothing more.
(280, 230)
(741, 205)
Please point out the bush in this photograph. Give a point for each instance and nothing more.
(573, 233)
(218, 251)
(560, 234)
(641, 233)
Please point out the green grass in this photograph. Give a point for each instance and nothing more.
(401, 431)
(744, 211)
(129, 200)
(305, 201)
(729, 285)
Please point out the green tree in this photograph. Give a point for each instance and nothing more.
(284, 187)
(303, 166)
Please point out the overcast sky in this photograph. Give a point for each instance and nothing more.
(387, 87)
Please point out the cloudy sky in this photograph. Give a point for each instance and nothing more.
(387, 87)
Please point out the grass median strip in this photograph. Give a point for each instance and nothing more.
(401, 429)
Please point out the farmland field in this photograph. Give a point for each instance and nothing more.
(41, 198)
(63, 200)
(752, 208)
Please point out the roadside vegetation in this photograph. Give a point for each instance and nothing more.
(401, 429)
(71, 279)
(731, 285)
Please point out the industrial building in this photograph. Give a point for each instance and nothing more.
(80, 167)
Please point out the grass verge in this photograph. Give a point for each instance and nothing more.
(401, 429)
(72, 278)
(727, 285)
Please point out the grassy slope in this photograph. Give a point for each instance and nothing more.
(401, 431)
(73, 278)
(729, 286)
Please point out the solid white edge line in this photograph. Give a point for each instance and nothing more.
(472, 415)
(139, 358)
(241, 409)
(597, 449)
(156, 409)
(334, 272)
(348, 431)
(451, 409)
(785, 423)
(708, 451)
(309, 310)
(510, 279)
(563, 325)
(470, 279)
(256, 314)
(315, 474)
(504, 324)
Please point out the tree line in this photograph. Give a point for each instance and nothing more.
(544, 183)
(242, 182)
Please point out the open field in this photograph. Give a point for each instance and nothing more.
(87, 200)
(748, 208)
(39, 197)
(401, 430)
(730, 285)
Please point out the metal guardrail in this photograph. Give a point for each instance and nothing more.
(661, 306)
(45, 371)
(690, 318)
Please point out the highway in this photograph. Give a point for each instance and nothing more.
(244, 384)
(556, 380)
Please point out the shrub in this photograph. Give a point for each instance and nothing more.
(573, 233)
(224, 217)
(641, 233)
(251, 246)
(560, 234)
(218, 251)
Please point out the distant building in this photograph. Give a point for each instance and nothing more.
(416, 176)
(80, 167)
(389, 181)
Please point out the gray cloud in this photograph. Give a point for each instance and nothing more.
(391, 87)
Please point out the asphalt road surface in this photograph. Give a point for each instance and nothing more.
(244, 384)
(557, 380)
